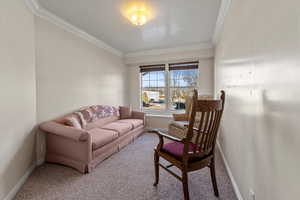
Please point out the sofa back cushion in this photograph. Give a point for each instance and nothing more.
(125, 112)
(92, 116)
(86, 116)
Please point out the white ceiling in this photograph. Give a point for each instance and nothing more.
(177, 22)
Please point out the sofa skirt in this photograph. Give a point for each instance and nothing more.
(106, 151)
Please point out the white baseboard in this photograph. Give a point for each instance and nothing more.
(233, 182)
(40, 162)
(11, 195)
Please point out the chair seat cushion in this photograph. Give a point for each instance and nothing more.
(134, 122)
(176, 148)
(121, 128)
(101, 137)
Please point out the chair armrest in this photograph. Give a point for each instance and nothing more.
(64, 131)
(180, 117)
(138, 115)
(164, 135)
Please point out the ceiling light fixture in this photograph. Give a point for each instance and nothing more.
(138, 12)
(138, 16)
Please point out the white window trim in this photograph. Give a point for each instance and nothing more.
(167, 111)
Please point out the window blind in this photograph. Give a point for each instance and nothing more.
(152, 68)
(183, 66)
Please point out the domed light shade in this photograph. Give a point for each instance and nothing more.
(138, 12)
(138, 16)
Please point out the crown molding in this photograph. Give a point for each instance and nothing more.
(39, 11)
(155, 52)
(183, 54)
(225, 5)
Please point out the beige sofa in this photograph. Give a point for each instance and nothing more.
(84, 138)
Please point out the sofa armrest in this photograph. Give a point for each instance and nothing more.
(180, 117)
(64, 131)
(138, 115)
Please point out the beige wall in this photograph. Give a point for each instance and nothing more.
(72, 73)
(257, 63)
(17, 80)
(206, 77)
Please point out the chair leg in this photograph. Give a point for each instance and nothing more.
(185, 185)
(156, 167)
(213, 177)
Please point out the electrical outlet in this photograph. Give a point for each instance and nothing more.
(251, 194)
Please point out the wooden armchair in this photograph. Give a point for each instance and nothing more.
(177, 128)
(188, 106)
(187, 155)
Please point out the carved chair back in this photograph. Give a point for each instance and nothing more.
(203, 126)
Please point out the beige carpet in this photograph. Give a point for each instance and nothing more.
(127, 175)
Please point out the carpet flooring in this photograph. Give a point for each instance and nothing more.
(126, 175)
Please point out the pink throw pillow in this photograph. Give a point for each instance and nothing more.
(73, 121)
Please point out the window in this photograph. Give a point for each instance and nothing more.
(165, 87)
(153, 87)
(183, 79)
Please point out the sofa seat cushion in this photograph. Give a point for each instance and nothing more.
(101, 122)
(121, 128)
(101, 137)
(134, 122)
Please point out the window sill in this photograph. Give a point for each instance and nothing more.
(159, 115)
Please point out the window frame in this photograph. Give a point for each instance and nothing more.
(167, 110)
